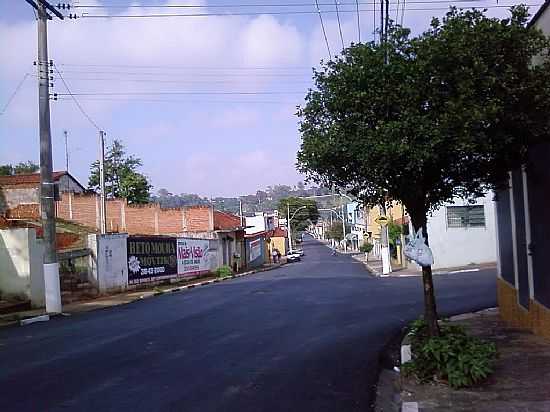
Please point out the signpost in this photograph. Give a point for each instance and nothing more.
(382, 220)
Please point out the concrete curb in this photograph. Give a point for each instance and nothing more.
(406, 356)
(44, 317)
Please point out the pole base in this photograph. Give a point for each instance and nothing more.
(52, 287)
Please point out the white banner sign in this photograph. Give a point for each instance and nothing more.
(194, 256)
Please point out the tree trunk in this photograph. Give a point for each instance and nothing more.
(430, 309)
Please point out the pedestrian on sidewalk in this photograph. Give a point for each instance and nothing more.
(274, 255)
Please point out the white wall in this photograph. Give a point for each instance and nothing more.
(21, 265)
(453, 247)
(257, 224)
(109, 269)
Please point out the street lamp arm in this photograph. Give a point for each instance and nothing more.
(296, 211)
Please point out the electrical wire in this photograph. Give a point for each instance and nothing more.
(358, 22)
(72, 95)
(122, 79)
(215, 68)
(241, 5)
(208, 75)
(12, 96)
(323, 28)
(224, 101)
(229, 14)
(239, 93)
(339, 26)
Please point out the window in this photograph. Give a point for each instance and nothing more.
(466, 216)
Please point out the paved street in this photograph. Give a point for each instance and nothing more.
(305, 337)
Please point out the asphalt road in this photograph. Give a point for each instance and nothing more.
(305, 337)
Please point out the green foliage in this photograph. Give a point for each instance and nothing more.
(454, 357)
(20, 168)
(121, 176)
(366, 247)
(335, 232)
(223, 271)
(304, 211)
(394, 232)
(449, 115)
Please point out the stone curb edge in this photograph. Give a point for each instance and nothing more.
(406, 353)
(46, 317)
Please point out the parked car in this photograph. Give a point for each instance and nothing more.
(293, 257)
(297, 251)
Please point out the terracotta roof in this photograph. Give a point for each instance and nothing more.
(279, 232)
(224, 220)
(32, 178)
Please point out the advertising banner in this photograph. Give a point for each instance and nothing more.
(194, 257)
(255, 249)
(151, 258)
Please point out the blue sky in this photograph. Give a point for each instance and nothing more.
(138, 74)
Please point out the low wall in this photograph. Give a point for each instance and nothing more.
(536, 317)
(108, 265)
(21, 265)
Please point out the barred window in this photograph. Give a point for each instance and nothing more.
(466, 216)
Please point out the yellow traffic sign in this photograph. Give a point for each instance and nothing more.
(382, 220)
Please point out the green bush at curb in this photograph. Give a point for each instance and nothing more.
(223, 271)
(454, 357)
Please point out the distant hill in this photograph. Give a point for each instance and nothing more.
(262, 200)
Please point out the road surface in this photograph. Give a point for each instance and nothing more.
(304, 337)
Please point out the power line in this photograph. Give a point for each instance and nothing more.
(339, 26)
(224, 101)
(241, 5)
(123, 79)
(323, 28)
(69, 93)
(179, 93)
(141, 73)
(215, 68)
(304, 12)
(358, 22)
(14, 93)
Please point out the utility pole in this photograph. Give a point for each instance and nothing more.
(344, 229)
(103, 213)
(384, 249)
(241, 211)
(66, 155)
(288, 226)
(381, 21)
(47, 192)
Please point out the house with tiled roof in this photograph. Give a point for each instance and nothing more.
(21, 193)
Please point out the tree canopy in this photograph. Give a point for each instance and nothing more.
(121, 176)
(449, 115)
(20, 168)
(304, 211)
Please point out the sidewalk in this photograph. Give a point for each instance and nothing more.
(520, 382)
(124, 298)
(374, 265)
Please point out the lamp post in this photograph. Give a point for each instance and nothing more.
(289, 218)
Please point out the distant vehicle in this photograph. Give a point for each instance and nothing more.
(297, 251)
(293, 257)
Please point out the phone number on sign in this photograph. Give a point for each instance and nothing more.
(152, 271)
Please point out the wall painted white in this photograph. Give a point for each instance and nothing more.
(463, 246)
(108, 266)
(256, 223)
(21, 267)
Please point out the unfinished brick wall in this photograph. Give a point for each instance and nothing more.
(198, 219)
(147, 219)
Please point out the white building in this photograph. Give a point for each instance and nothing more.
(463, 233)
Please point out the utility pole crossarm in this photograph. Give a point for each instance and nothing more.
(51, 8)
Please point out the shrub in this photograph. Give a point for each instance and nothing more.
(366, 247)
(454, 357)
(223, 271)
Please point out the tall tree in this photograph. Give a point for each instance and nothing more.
(304, 212)
(449, 115)
(20, 168)
(121, 176)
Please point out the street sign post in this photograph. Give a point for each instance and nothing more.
(382, 220)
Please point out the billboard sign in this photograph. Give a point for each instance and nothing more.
(255, 249)
(151, 258)
(195, 257)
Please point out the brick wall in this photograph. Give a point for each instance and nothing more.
(147, 219)
(197, 219)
